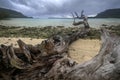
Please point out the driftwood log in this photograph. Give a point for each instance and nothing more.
(50, 60)
(30, 62)
(84, 22)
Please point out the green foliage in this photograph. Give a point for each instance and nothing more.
(43, 32)
(94, 34)
(7, 13)
(110, 13)
(4, 15)
(114, 29)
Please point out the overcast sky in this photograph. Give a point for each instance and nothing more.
(58, 8)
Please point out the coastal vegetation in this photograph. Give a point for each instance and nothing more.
(4, 15)
(48, 31)
(109, 13)
(43, 32)
(8, 13)
(114, 29)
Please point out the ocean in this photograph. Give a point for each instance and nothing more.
(29, 22)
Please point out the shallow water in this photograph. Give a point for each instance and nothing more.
(29, 22)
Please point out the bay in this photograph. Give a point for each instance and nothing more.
(30, 22)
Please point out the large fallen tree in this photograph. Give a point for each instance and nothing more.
(50, 60)
(27, 61)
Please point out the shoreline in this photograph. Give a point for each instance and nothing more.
(81, 50)
(94, 23)
(43, 32)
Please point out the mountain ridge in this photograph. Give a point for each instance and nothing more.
(11, 13)
(109, 13)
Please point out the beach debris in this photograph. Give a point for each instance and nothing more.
(28, 60)
(50, 60)
(84, 22)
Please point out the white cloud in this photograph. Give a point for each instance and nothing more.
(92, 15)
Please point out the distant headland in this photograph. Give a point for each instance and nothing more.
(109, 13)
(8, 13)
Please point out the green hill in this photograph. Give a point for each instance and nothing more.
(7, 13)
(110, 13)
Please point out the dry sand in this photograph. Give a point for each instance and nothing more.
(81, 50)
(8, 41)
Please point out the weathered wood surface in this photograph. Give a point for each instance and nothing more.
(84, 21)
(50, 61)
(104, 66)
(27, 61)
(58, 66)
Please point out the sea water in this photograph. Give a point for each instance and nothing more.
(30, 22)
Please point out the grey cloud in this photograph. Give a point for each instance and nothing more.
(46, 8)
(6, 4)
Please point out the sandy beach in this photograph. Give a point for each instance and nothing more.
(84, 49)
(81, 50)
(9, 41)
